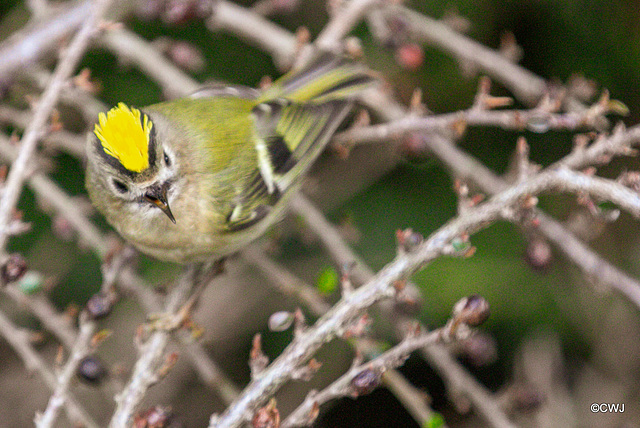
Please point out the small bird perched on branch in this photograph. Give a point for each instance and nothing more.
(200, 177)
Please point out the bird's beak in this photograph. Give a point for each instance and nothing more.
(157, 196)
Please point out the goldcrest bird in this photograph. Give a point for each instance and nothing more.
(198, 178)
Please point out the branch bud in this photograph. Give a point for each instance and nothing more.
(13, 268)
(365, 382)
(258, 361)
(472, 310)
(267, 416)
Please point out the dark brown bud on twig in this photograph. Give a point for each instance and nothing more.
(365, 382)
(99, 305)
(13, 268)
(472, 310)
(91, 369)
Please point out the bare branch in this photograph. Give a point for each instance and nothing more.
(132, 47)
(288, 283)
(280, 43)
(519, 120)
(210, 374)
(59, 324)
(19, 341)
(524, 84)
(13, 185)
(466, 167)
(340, 251)
(62, 140)
(381, 286)
(343, 385)
(37, 39)
(60, 394)
(147, 370)
(342, 23)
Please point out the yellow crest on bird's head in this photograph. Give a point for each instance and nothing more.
(124, 133)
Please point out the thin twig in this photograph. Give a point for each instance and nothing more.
(60, 325)
(342, 23)
(60, 394)
(569, 180)
(146, 371)
(524, 84)
(482, 400)
(55, 197)
(62, 140)
(208, 371)
(290, 284)
(381, 287)
(38, 7)
(588, 261)
(412, 398)
(128, 45)
(33, 132)
(506, 119)
(333, 242)
(19, 341)
(286, 282)
(343, 385)
(88, 105)
(278, 42)
(468, 168)
(618, 143)
(459, 380)
(42, 37)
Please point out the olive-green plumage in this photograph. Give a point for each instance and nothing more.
(222, 163)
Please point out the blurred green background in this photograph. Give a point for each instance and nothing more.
(599, 40)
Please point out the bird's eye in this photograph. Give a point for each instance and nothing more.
(120, 186)
(167, 159)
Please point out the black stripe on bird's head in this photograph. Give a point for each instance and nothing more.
(126, 139)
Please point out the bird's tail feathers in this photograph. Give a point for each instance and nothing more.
(326, 77)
